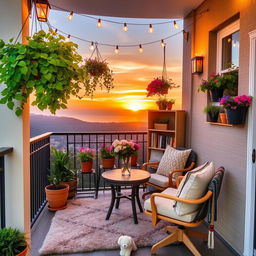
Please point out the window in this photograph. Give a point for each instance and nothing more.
(228, 42)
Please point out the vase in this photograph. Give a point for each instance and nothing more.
(125, 166)
(108, 163)
(134, 160)
(216, 94)
(236, 116)
(87, 166)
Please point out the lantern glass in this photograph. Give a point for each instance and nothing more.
(197, 65)
(42, 10)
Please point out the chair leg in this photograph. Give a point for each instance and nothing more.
(171, 229)
(197, 234)
(166, 241)
(189, 244)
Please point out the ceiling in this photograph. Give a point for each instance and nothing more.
(173, 9)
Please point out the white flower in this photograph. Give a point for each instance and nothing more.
(117, 149)
(115, 143)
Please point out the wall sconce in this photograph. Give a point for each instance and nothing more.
(42, 10)
(197, 65)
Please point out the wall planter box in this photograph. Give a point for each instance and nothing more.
(158, 126)
(236, 116)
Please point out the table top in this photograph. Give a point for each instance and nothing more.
(137, 177)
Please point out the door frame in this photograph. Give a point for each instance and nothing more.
(250, 171)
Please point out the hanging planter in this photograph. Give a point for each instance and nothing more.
(216, 94)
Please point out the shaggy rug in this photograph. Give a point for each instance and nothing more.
(82, 227)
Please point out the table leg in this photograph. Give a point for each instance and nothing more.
(118, 190)
(133, 198)
(113, 194)
(96, 185)
(138, 198)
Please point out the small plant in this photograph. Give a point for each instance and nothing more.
(12, 242)
(163, 121)
(107, 152)
(170, 101)
(211, 109)
(236, 102)
(86, 154)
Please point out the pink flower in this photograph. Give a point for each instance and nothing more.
(136, 146)
(82, 149)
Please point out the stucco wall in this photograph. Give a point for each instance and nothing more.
(225, 146)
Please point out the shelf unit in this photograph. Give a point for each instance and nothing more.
(174, 135)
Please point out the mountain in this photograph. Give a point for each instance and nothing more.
(40, 124)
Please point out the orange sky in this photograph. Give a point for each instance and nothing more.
(132, 70)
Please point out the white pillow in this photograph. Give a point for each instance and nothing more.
(173, 159)
(195, 187)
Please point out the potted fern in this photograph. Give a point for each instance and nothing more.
(212, 112)
(13, 242)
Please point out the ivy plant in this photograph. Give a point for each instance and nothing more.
(48, 66)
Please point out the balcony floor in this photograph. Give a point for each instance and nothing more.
(42, 226)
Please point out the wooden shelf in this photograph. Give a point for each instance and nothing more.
(161, 149)
(156, 130)
(220, 124)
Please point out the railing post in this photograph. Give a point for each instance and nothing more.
(2, 192)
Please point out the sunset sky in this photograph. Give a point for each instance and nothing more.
(132, 70)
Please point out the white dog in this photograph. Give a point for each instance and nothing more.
(127, 245)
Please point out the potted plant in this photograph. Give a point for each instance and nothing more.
(212, 112)
(170, 103)
(236, 108)
(47, 67)
(13, 242)
(57, 192)
(134, 157)
(161, 124)
(107, 156)
(162, 103)
(86, 156)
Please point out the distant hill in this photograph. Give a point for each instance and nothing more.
(40, 124)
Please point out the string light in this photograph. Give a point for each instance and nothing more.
(150, 29)
(99, 24)
(67, 38)
(91, 46)
(117, 49)
(125, 28)
(56, 30)
(140, 48)
(162, 43)
(175, 25)
(70, 16)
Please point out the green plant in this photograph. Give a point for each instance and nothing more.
(107, 152)
(86, 154)
(60, 168)
(47, 66)
(170, 101)
(12, 242)
(163, 121)
(211, 109)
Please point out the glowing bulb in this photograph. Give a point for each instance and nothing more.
(175, 25)
(117, 50)
(67, 38)
(99, 24)
(140, 48)
(162, 43)
(125, 28)
(150, 29)
(70, 16)
(56, 30)
(91, 46)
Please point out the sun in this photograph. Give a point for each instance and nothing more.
(135, 106)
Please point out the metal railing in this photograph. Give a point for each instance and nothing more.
(3, 151)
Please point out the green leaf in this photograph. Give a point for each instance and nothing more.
(18, 111)
(18, 97)
(24, 70)
(22, 50)
(22, 63)
(3, 100)
(48, 76)
(10, 105)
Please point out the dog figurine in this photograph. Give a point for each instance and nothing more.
(127, 245)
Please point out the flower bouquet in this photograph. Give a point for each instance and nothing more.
(108, 156)
(86, 156)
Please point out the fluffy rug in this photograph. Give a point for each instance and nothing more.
(82, 227)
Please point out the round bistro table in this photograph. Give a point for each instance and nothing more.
(116, 180)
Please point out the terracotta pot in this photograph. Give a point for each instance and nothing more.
(57, 197)
(223, 118)
(23, 253)
(108, 163)
(169, 106)
(87, 166)
(134, 160)
(162, 106)
(72, 187)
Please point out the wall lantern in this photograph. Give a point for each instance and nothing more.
(42, 10)
(197, 65)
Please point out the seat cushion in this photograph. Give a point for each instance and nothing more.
(165, 207)
(173, 159)
(159, 180)
(194, 187)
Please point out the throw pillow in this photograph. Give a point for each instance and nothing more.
(173, 159)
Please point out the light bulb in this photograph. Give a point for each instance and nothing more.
(125, 28)
(117, 49)
(150, 29)
(67, 38)
(140, 48)
(175, 25)
(56, 30)
(70, 16)
(162, 43)
(99, 24)
(91, 46)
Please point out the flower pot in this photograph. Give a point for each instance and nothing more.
(87, 166)
(169, 106)
(72, 187)
(57, 197)
(223, 118)
(158, 126)
(108, 163)
(162, 105)
(236, 116)
(24, 252)
(134, 160)
(216, 94)
(213, 117)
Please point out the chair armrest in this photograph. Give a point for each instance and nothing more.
(145, 165)
(201, 200)
(178, 180)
